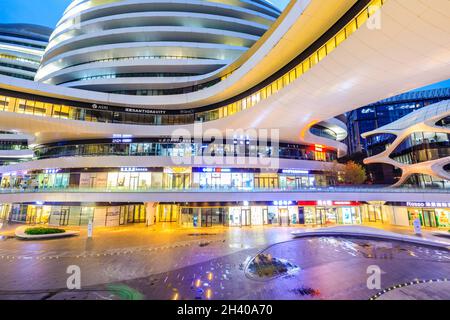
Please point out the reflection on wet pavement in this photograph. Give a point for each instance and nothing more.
(331, 268)
(215, 267)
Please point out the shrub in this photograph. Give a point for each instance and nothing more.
(41, 230)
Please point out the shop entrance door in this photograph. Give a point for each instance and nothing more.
(215, 181)
(320, 216)
(180, 181)
(206, 218)
(246, 219)
(134, 183)
(64, 217)
(429, 218)
(284, 216)
(131, 214)
(123, 217)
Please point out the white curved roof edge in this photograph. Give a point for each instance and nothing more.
(171, 14)
(36, 59)
(16, 154)
(258, 59)
(93, 68)
(127, 33)
(17, 71)
(22, 63)
(141, 82)
(23, 40)
(71, 14)
(217, 48)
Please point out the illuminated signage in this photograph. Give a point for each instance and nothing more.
(216, 170)
(133, 169)
(282, 203)
(294, 171)
(122, 140)
(50, 171)
(428, 204)
(318, 148)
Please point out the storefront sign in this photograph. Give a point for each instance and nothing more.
(216, 170)
(283, 203)
(50, 171)
(318, 148)
(294, 171)
(329, 203)
(133, 169)
(427, 204)
(120, 140)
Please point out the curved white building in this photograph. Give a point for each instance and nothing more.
(420, 146)
(21, 49)
(257, 141)
(151, 47)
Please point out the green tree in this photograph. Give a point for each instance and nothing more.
(354, 173)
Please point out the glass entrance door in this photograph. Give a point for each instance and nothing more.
(64, 217)
(429, 218)
(284, 216)
(134, 183)
(123, 217)
(206, 217)
(246, 219)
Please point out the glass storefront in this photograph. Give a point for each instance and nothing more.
(430, 217)
(238, 216)
(168, 178)
(72, 215)
(332, 215)
(169, 148)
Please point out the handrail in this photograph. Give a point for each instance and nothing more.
(338, 189)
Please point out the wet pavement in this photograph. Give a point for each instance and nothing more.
(142, 263)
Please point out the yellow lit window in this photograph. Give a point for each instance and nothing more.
(263, 93)
(351, 27)
(48, 109)
(280, 84)
(11, 104)
(39, 109)
(292, 76)
(313, 59)
(362, 18)
(299, 70)
(286, 80)
(322, 53)
(269, 90)
(374, 6)
(274, 87)
(340, 37)
(239, 106)
(306, 65)
(331, 45)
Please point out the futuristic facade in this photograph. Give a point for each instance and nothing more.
(378, 114)
(21, 49)
(209, 113)
(151, 47)
(419, 146)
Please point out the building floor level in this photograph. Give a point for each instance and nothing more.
(230, 214)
